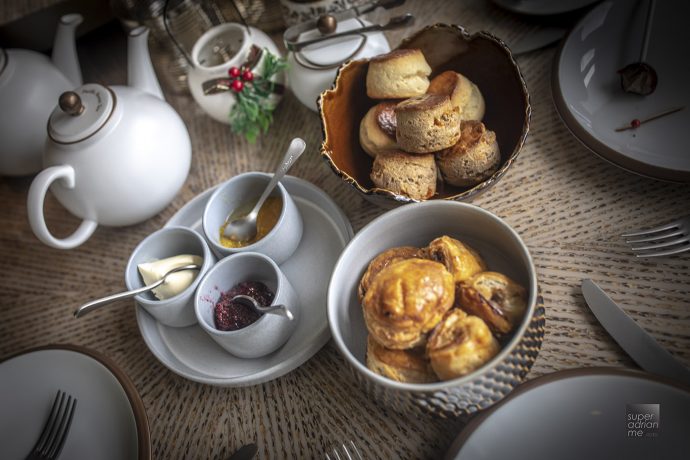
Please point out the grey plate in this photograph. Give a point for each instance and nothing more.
(191, 353)
(589, 99)
(109, 419)
(579, 414)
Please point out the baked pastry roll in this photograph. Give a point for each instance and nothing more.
(459, 259)
(473, 159)
(460, 344)
(397, 75)
(492, 296)
(377, 129)
(405, 174)
(409, 366)
(381, 261)
(463, 94)
(427, 123)
(406, 300)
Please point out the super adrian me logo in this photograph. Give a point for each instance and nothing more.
(642, 420)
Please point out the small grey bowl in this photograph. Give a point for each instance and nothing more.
(280, 243)
(266, 334)
(177, 311)
(416, 225)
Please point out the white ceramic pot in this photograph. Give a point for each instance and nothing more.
(237, 43)
(313, 69)
(30, 83)
(114, 155)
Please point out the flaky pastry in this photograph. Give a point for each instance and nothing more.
(459, 259)
(410, 366)
(381, 261)
(460, 344)
(406, 300)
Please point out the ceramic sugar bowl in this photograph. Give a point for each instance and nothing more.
(217, 51)
(115, 155)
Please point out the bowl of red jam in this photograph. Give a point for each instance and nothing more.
(236, 327)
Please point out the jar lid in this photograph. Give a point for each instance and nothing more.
(335, 51)
(80, 113)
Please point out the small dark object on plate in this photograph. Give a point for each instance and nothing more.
(638, 78)
(231, 316)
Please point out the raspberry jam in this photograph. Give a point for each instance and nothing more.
(231, 316)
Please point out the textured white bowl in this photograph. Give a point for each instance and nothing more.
(416, 225)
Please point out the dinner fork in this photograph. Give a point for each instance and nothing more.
(49, 444)
(346, 451)
(664, 240)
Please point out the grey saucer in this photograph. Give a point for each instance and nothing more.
(192, 354)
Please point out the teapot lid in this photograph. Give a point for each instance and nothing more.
(333, 52)
(80, 113)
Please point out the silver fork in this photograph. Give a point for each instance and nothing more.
(346, 451)
(49, 444)
(664, 240)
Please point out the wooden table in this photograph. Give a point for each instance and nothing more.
(567, 204)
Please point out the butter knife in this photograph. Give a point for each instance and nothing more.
(634, 340)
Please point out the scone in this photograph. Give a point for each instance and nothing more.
(406, 300)
(405, 174)
(460, 344)
(459, 259)
(397, 75)
(473, 159)
(495, 298)
(463, 94)
(409, 366)
(381, 261)
(427, 124)
(377, 129)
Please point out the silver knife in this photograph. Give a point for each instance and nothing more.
(634, 340)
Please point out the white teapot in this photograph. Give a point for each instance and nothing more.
(318, 47)
(115, 155)
(218, 50)
(29, 85)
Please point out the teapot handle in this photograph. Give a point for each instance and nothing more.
(37, 193)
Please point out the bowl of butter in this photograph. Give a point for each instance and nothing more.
(171, 303)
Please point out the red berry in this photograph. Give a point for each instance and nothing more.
(247, 75)
(635, 123)
(237, 86)
(234, 72)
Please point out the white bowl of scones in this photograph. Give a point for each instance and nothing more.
(443, 116)
(435, 307)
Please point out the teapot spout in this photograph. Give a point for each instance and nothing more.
(65, 50)
(140, 73)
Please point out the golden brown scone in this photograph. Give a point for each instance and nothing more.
(410, 366)
(381, 261)
(473, 159)
(498, 300)
(397, 75)
(460, 344)
(406, 300)
(427, 123)
(377, 129)
(405, 174)
(459, 259)
(463, 94)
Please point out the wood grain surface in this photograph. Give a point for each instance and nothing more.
(567, 204)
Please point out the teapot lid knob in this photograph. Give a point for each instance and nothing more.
(70, 103)
(327, 23)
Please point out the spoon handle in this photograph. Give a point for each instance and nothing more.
(98, 303)
(647, 31)
(293, 152)
(95, 304)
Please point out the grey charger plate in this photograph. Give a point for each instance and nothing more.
(192, 354)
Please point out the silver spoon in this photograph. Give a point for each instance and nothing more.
(280, 310)
(95, 304)
(640, 77)
(244, 228)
